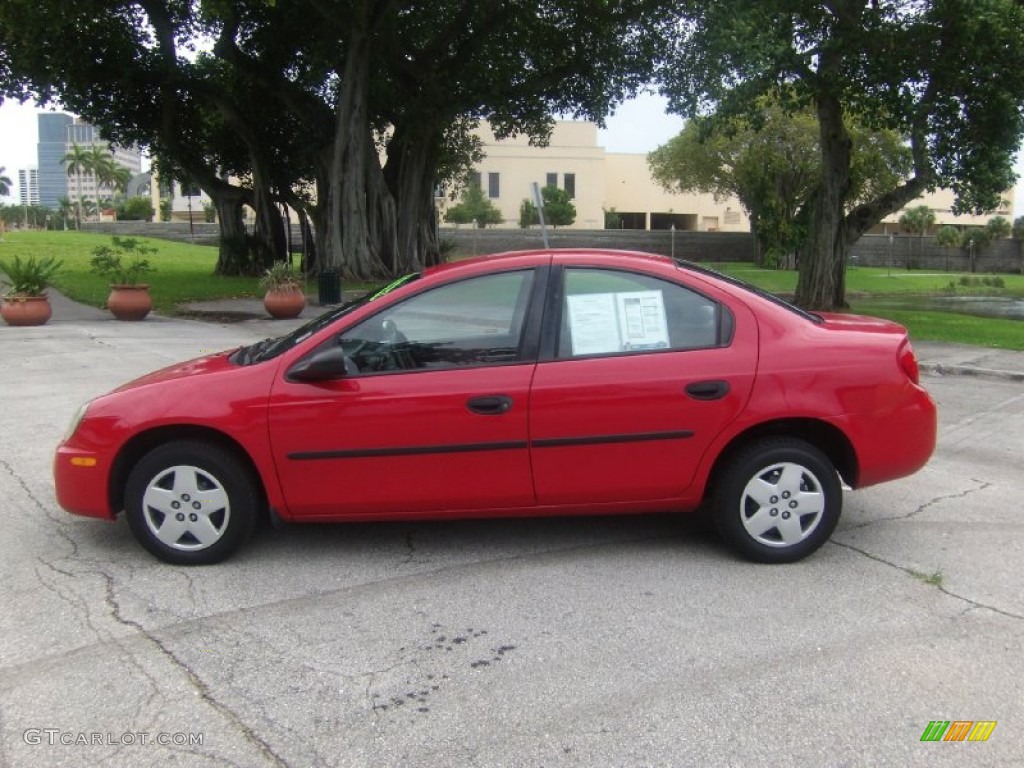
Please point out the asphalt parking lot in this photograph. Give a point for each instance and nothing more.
(585, 642)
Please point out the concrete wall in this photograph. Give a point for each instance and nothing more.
(694, 246)
(200, 233)
(871, 250)
(912, 252)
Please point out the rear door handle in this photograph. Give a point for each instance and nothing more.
(708, 390)
(490, 405)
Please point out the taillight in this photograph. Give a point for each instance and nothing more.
(908, 362)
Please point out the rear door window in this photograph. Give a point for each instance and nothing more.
(608, 312)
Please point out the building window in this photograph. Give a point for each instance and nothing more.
(552, 180)
(493, 185)
(475, 179)
(569, 185)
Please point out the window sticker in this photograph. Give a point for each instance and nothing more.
(602, 323)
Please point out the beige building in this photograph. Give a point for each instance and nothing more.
(941, 202)
(600, 182)
(597, 181)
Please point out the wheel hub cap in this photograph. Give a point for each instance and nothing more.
(782, 505)
(181, 488)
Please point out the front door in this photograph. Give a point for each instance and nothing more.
(432, 416)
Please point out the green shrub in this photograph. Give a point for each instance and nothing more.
(136, 209)
(123, 262)
(30, 277)
(280, 277)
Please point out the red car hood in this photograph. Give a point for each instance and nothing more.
(200, 366)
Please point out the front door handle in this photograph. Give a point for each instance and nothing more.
(708, 390)
(490, 405)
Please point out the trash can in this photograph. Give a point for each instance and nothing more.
(330, 287)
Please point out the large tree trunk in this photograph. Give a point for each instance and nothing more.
(232, 251)
(349, 244)
(269, 241)
(382, 217)
(410, 173)
(822, 282)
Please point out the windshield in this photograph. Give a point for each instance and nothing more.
(272, 347)
(751, 288)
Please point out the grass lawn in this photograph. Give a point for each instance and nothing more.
(927, 325)
(890, 293)
(878, 280)
(184, 273)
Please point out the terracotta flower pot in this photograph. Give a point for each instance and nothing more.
(129, 302)
(284, 303)
(26, 310)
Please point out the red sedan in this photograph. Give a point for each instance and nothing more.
(537, 383)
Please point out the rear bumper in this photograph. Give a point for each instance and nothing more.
(899, 441)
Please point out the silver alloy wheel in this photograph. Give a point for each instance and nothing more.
(782, 505)
(186, 508)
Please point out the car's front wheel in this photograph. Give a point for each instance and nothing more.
(778, 500)
(191, 503)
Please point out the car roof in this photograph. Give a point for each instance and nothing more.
(541, 255)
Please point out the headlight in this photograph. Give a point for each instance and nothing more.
(76, 420)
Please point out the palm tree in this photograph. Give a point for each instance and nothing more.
(5, 182)
(5, 189)
(119, 178)
(78, 161)
(89, 207)
(65, 207)
(918, 220)
(102, 165)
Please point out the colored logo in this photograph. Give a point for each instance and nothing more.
(958, 730)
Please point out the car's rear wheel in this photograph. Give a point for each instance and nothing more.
(778, 500)
(191, 503)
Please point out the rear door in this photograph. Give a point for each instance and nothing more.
(642, 373)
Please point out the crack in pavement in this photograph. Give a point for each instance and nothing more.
(93, 337)
(371, 677)
(72, 598)
(44, 508)
(500, 561)
(911, 572)
(983, 485)
(410, 548)
(976, 416)
(201, 688)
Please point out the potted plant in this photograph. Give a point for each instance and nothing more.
(124, 264)
(284, 297)
(25, 302)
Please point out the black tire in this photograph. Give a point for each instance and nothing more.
(191, 503)
(777, 500)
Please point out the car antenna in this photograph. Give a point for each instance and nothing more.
(538, 200)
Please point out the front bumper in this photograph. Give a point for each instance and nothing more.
(81, 481)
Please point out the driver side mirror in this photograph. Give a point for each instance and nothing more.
(325, 364)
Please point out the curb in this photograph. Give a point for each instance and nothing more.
(943, 369)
